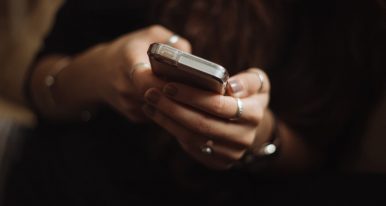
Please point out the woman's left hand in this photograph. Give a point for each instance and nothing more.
(199, 118)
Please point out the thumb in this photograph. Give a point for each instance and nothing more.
(247, 83)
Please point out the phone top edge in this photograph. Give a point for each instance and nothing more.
(153, 48)
(189, 60)
(204, 66)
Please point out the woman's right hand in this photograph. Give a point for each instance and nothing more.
(117, 73)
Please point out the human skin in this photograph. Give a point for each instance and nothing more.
(113, 73)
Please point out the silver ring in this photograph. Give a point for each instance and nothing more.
(173, 39)
(206, 148)
(137, 66)
(268, 149)
(261, 78)
(239, 111)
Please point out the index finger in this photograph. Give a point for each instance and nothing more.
(140, 73)
(225, 107)
(158, 33)
(138, 42)
(143, 78)
(247, 83)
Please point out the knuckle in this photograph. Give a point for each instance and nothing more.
(257, 116)
(245, 142)
(218, 104)
(202, 126)
(234, 156)
(131, 52)
(128, 55)
(155, 29)
(137, 80)
(120, 88)
(185, 45)
(127, 49)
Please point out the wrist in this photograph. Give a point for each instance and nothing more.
(51, 92)
(42, 80)
(265, 147)
(266, 138)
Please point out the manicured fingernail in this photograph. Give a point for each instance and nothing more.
(148, 110)
(235, 86)
(152, 96)
(170, 90)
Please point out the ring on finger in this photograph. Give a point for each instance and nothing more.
(239, 111)
(261, 79)
(173, 40)
(207, 148)
(135, 67)
(260, 76)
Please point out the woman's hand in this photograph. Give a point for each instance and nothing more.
(198, 118)
(117, 73)
(129, 70)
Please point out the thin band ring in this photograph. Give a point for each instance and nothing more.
(173, 39)
(240, 109)
(137, 66)
(261, 78)
(206, 148)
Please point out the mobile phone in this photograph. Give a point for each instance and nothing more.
(175, 65)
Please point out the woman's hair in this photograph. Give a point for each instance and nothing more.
(325, 59)
(223, 31)
(246, 33)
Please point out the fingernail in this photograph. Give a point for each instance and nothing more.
(148, 110)
(170, 90)
(152, 96)
(235, 86)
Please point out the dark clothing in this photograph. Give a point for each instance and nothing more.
(109, 161)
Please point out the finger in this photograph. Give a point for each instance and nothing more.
(158, 33)
(191, 142)
(202, 123)
(247, 83)
(222, 156)
(138, 44)
(137, 59)
(222, 106)
(129, 108)
(142, 77)
(213, 161)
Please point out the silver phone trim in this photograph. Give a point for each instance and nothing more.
(178, 57)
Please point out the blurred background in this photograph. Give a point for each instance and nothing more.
(23, 26)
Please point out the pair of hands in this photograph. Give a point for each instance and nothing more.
(193, 116)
